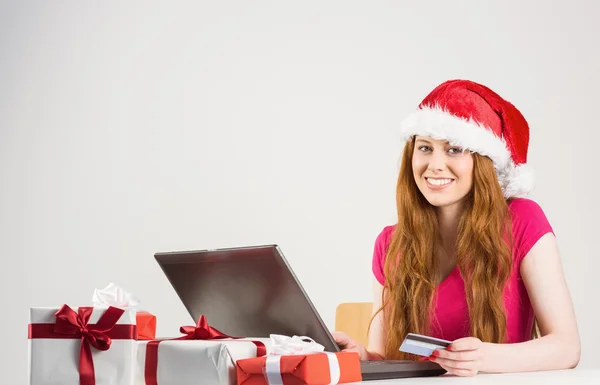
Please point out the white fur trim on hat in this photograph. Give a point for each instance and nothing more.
(435, 122)
(516, 181)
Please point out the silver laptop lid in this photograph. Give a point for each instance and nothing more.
(245, 292)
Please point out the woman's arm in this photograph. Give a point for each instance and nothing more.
(376, 348)
(559, 346)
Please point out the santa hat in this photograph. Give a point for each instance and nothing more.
(474, 117)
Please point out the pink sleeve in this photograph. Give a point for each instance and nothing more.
(529, 225)
(381, 244)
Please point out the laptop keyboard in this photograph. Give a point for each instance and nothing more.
(383, 362)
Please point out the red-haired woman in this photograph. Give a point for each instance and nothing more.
(471, 259)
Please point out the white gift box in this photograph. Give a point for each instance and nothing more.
(54, 356)
(192, 362)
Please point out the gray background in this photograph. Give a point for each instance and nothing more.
(129, 128)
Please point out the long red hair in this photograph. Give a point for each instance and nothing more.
(483, 256)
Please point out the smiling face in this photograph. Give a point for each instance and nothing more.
(443, 173)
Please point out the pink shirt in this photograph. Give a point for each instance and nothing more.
(529, 225)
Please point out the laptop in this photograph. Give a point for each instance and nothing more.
(253, 292)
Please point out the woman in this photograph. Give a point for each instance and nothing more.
(471, 260)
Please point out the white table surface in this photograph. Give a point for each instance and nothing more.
(563, 377)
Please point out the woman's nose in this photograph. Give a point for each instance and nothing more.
(437, 161)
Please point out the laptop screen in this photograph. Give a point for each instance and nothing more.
(244, 292)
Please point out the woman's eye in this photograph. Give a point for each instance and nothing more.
(424, 148)
(456, 150)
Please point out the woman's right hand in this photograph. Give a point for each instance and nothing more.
(347, 344)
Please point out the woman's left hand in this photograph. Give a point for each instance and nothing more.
(464, 357)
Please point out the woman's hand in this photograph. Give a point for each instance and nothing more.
(464, 357)
(347, 344)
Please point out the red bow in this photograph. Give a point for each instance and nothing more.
(76, 325)
(202, 331)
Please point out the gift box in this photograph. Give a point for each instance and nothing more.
(203, 355)
(146, 325)
(299, 361)
(82, 346)
(114, 295)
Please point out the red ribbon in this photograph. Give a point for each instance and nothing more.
(75, 325)
(202, 331)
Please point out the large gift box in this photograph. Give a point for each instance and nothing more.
(299, 361)
(203, 355)
(82, 346)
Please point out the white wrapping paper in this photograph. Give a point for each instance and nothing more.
(193, 362)
(54, 361)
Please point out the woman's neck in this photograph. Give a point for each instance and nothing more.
(448, 220)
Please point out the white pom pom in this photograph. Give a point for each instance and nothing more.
(516, 181)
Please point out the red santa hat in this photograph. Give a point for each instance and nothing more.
(474, 117)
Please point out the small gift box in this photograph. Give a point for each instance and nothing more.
(203, 355)
(114, 295)
(299, 360)
(82, 346)
(146, 325)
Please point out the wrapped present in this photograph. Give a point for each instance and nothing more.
(203, 355)
(82, 346)
(299, 360)
(114, 295)
(146, 325)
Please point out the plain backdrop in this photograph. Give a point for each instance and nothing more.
(129, 128)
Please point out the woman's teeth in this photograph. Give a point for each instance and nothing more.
(439, 182)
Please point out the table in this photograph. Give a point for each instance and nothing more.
(562, 377)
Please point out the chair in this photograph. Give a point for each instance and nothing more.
(353, 319)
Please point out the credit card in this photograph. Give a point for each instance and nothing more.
(422, 345)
